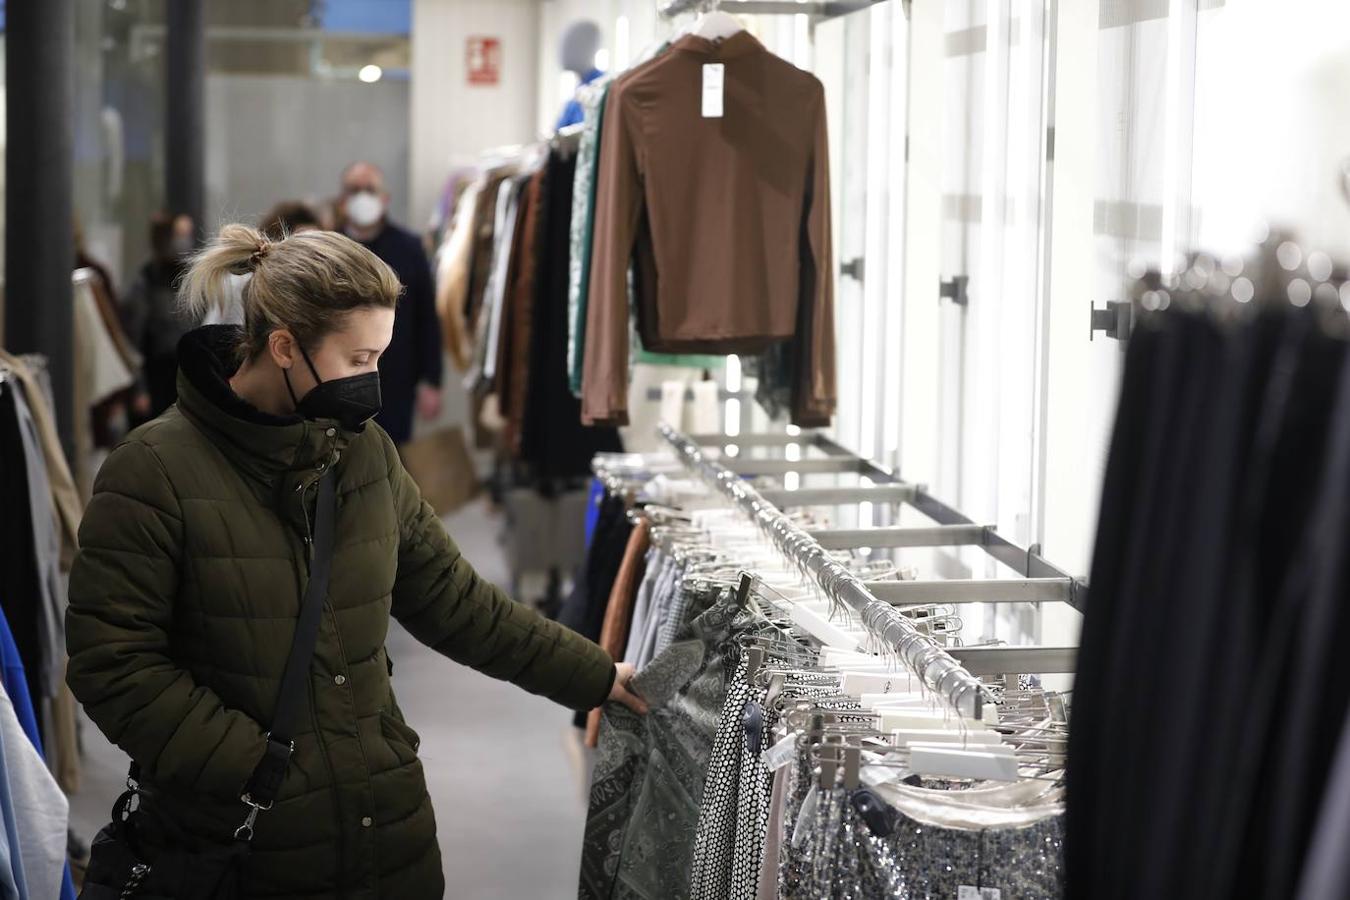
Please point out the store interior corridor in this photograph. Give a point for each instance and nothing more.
(674, 449)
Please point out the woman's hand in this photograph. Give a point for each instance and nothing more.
(623, 673)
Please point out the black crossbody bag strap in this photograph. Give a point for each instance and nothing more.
(263, 787)
(265, 784)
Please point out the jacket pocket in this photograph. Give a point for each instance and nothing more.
(404, 740)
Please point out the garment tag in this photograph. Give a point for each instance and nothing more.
(966, 892)
(808, 813)
(781, 753)
(714, 79)
(873, 776)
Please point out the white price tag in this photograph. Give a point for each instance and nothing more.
(714, 80)
(966, 892)
(781, 753)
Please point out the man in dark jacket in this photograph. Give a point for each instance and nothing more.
(410, 370)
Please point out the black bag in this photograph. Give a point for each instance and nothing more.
(119, 869)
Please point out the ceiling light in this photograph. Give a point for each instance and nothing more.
(370, 74)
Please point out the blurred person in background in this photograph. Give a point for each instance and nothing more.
(283, 220)
(410, 371)
(289, 217)
(151, 316)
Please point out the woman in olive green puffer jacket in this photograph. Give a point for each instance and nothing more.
(193, 562)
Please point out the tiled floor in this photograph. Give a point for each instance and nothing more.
(502, 766)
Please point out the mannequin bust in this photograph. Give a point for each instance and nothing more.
(576, 53)
(580, 42)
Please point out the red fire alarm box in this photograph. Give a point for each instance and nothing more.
(484, 60)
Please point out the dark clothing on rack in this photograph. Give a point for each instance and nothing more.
(727, 220)
(554, 441)
(619, 611)
(1208, 700)
(584, 609)
(19, 573)
(414, 355)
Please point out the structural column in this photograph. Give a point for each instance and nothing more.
(185, 110)
(39, 192)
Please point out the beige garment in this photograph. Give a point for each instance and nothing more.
(727, 217)
(63, 750)
(773, 839)
(107, 372)
(65, 498)
(453, 271)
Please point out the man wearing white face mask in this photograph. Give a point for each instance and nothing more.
(410, 370)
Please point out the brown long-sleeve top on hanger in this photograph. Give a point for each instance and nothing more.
(728, 219)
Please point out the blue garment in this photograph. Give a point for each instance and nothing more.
(593, 501)
(12, 677)
(572, 113)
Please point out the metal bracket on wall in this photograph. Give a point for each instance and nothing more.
(819, 11)
(955, 290)
(1115, 321)
(855, 268)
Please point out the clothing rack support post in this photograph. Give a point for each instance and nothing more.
(39, 194)
(895, 537)
(1018, 660)
(986, 590)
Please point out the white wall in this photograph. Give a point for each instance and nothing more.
(265, 143)
(1272, 115)
(454, 122)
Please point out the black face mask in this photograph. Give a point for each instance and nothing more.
(352, 401)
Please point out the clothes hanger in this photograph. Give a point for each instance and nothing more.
(715, 25)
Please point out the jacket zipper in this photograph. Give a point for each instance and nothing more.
(313, 698)
(309, 531)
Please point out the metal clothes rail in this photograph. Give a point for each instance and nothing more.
(954, 528)
(937, 668)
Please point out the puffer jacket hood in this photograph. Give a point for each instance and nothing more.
(183, 601)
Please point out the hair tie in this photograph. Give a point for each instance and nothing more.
(264, 245)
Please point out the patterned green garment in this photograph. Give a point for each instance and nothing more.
(583, 218)
(650, 770)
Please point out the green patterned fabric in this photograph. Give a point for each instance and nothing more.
(583, 220)
(649, 774)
